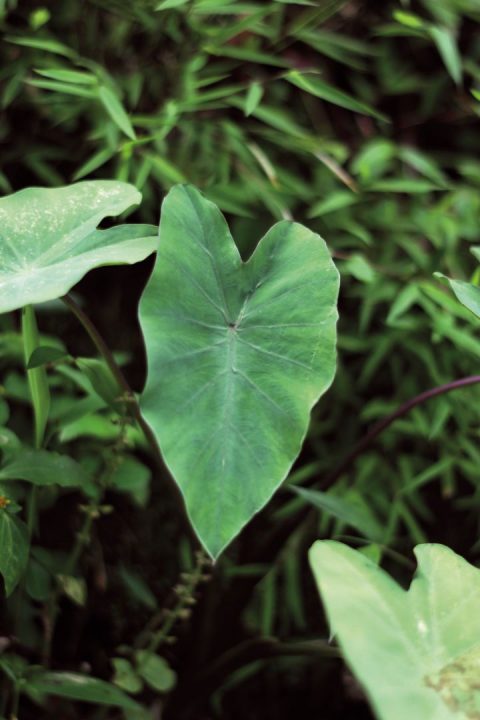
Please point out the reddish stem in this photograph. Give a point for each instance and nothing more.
(368, 439)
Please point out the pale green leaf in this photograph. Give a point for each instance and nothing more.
(68, 76)
(62, 87)
(337, 200)
(49, 241)
(43, 44)
(447, 47)
(243, 350)
(170, 4)
(416, 652)
(253, 97)
(116, 111)
(93, 163)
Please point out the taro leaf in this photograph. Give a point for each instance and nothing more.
(80, 687)
(416, 652)
(49, 241)
(13, 548)
(238, 354)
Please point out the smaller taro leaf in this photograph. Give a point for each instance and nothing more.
(13, 549)
(238, 354)
(49, 240)
(416, 652)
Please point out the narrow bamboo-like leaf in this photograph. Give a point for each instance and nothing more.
(313, 85)
(253, 97)
(49, 241)
(80, 687)
(13, 549)
(355, 514)
(466, 293)
(44, 44)
(116, 111)
(93, 163)
(68, 76)
(399, 185)
(37, 377)
(413, 652)
(238, 354)
(170, 4)
(447, 47)
(62, 87)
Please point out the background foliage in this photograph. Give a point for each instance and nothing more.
(359, 119)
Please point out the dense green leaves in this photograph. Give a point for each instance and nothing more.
(415, 652)
(49, 240)
(238, 354)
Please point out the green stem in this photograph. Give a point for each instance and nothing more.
(82, 539)
(107, 355)
(15, 702)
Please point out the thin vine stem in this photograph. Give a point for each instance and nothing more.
(117, 373)
(369, 438)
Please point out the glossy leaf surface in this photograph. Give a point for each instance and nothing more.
(416, 652)
(238, 354)
(49, 240)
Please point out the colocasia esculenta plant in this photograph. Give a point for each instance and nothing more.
(238, 352)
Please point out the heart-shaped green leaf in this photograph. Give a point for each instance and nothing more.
(417, 653)
(49, 241)
(238, 354)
